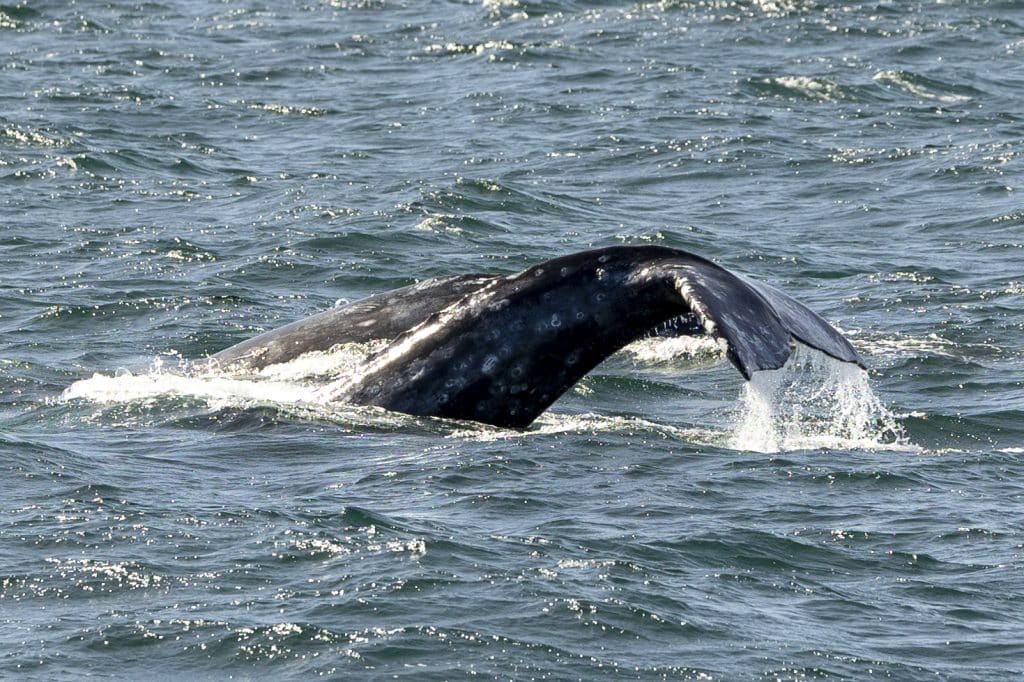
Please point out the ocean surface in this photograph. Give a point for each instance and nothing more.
(176, 177)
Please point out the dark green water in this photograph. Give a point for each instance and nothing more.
(177, 177)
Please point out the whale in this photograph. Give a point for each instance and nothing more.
(500, 349)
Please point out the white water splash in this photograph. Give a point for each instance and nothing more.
(909, 84)
(814, 402)
(660, 350)
(924, 346)
(296, 383)
(217, 390)
(821, 89)
(551, 423)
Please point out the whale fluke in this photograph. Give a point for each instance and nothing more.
(500, 350)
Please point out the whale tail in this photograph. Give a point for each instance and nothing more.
(503, 352)
(757, 321)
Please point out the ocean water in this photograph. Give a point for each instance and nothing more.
(177, 177)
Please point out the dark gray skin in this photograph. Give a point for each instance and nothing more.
(500, 350)
(381, 316)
